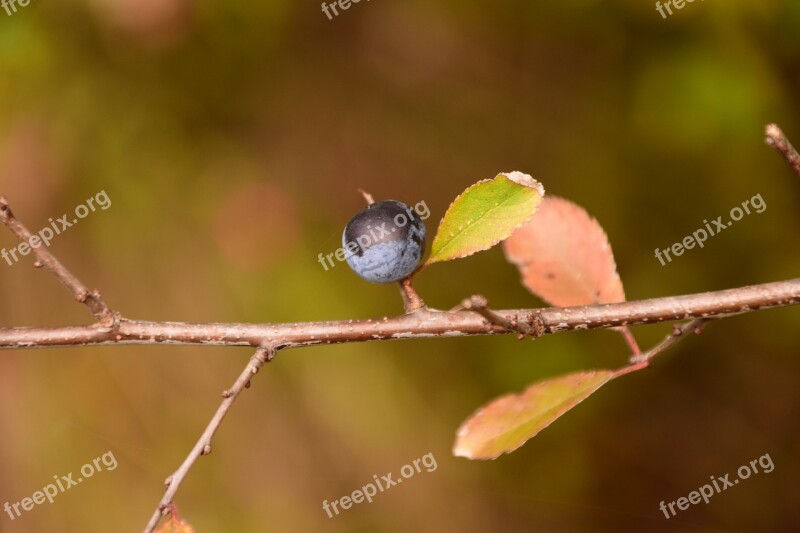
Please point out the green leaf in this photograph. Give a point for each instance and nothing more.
(485, 214)
(508, 422)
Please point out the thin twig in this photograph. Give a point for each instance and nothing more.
(480, 305)
(777, 139)
(679, 332)
(263, 355)
(630, 340)
(90, 299)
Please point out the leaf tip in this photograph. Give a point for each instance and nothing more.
(526, 180)
(462, 452)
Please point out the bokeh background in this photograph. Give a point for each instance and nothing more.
(231, 138)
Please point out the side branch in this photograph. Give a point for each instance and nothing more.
(678, 334)
(44, 258)
(422, 323)
(262, 356)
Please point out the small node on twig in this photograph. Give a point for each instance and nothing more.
(778, 140)
(38, 264)
(475, 302)
(536, 321)
(247, 385)
(168, 481)
(206, 449)
(5, 210)
(226, 393)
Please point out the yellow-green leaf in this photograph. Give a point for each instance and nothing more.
(485, 214)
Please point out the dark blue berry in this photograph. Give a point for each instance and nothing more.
(384, 242)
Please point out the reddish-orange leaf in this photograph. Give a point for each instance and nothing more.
(506, 423)
(564, 256)
(174, 524)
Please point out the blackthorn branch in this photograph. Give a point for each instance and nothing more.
(472, 317)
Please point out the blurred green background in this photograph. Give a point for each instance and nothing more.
(231, 138)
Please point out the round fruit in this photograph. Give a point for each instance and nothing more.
(384, 242)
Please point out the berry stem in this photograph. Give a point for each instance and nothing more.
(411, 300)
(367, 196)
